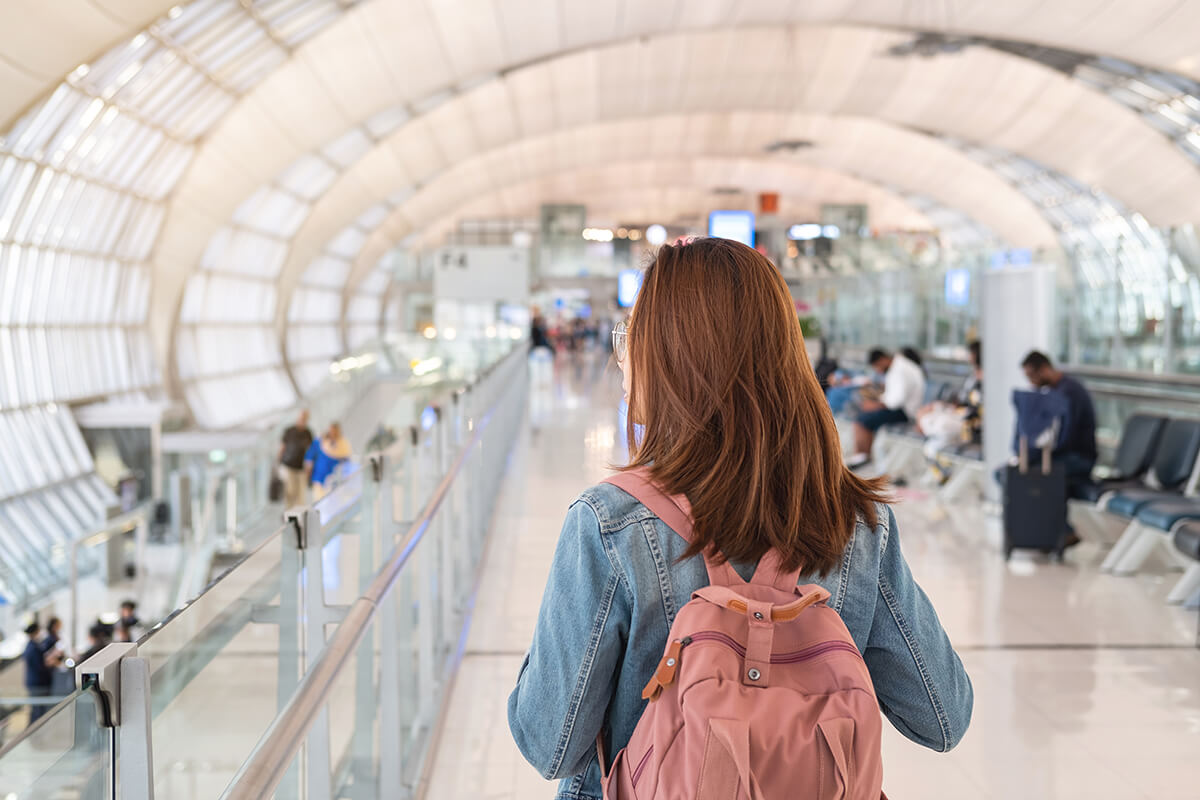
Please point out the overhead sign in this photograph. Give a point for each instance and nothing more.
(735, 225)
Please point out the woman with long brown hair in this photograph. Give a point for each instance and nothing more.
(731, 416)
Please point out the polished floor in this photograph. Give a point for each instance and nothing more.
(1087, 685)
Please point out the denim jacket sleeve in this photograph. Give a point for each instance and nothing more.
(569, 674)
(921, 683)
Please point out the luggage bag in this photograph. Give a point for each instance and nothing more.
(1035, 505)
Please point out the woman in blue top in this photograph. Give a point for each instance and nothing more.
(324, 456)
(731, 415)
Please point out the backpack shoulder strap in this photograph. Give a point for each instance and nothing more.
(675, 512)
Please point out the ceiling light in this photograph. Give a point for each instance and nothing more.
(804, 232)
(656, 235)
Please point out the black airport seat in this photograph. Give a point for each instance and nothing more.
(1135, 453)
(1173, 464)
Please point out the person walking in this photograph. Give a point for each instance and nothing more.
(733, 424)
(296, 441)
(323, 458)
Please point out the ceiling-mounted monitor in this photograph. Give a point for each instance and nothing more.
(629, 283)
(735, 225)
(958, 287)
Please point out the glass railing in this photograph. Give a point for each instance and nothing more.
(67, 753)
(350, 615)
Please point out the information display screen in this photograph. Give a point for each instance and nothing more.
(629, 283)
(958, 287)
(735, 225)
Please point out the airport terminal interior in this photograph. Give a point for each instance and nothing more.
(317, 319)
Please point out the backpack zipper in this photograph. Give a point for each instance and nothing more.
(806, 654)
(641, 767)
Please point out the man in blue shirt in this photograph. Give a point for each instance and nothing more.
(37, 673)
(1077, 452)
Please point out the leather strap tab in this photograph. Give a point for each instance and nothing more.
(664, 676)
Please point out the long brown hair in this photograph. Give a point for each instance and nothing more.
(733, 416)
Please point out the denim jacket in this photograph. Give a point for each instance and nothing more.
(614, 589)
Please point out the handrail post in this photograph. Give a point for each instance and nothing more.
(390, 738)
(121, 681)
(231, 506)
(291, 567)
(140, 535)
(426, 679)
(73, 630)
(410, 473)
(444, 528)
(318, 779)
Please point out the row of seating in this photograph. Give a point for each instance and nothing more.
(1154, 492)
(902, 454)
(1153, 489)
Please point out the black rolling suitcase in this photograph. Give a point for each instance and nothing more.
(1035, 505)
(275, 487)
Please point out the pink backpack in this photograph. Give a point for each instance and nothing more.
(761, 694)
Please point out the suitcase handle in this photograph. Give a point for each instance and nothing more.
(1023, 457)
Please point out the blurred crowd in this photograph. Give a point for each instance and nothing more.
(49, 661)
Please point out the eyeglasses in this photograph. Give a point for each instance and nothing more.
(620, 342)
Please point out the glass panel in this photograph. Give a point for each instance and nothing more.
(204, 649)
(67, 754)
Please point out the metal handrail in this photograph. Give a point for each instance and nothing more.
(262, 771)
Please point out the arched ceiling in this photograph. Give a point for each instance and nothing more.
(873, 150)
(980, 95)
(42, 41)
(466, 78)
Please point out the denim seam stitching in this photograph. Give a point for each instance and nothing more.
(664, 583)
(943, 724)
(599, 509)
(844, 578)
(608, 524)
(614, 561)
(585, 673)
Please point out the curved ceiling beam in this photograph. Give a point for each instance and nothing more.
(41, 42)
(871, 149)
(981, 95)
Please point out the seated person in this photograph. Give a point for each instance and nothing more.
(903, 394)
(1077, 452)
(1077, 443)
(960, 421)
(844, 390)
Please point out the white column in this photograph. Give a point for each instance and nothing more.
(1018, 316)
